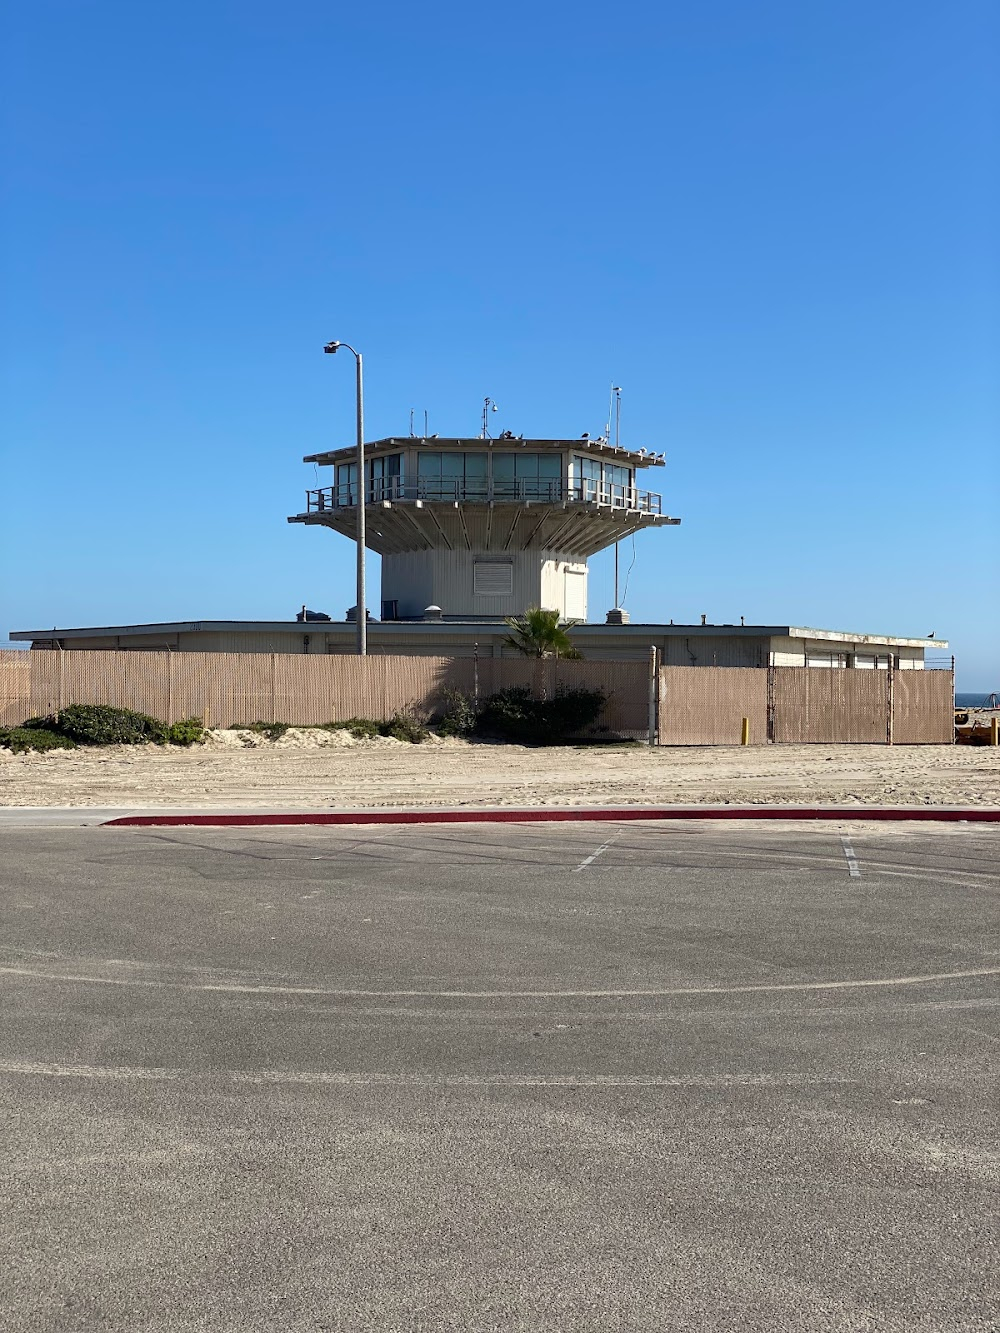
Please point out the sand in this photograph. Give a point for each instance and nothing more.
(315, 770)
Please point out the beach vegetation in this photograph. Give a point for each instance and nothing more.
(540, 633)
(23, 739)
(515, 715)
(458, 716)
(99, 724)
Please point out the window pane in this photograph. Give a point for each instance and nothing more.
(452, 465)
(550, 465)
(475, 466)
(503, 467)
(428, 465)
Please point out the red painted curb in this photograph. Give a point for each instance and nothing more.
(540, 816)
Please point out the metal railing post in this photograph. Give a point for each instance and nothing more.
(653, 695)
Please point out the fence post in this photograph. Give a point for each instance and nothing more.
(770, 703)
(954, 735)
(170, 688)
(274, 690)
(62, 677)
(890, 703)
(653, 693)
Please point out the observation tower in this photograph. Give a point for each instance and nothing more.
(479, 529)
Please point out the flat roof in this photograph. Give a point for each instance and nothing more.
(598, 445)
(414, 627)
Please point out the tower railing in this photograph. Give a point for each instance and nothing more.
(468, 490)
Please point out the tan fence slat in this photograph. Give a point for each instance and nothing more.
(230, 689)
(830, 705)
(707, 705)
(923, 707)
(697, 705)
(15, 686)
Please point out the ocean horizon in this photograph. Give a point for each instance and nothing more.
(975, 699)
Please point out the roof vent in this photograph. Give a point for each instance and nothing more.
(617, 617)
(432, 613)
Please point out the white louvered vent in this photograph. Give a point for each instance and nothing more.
(492, 578)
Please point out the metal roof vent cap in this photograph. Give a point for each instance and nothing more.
(433, 613)
(617, 616)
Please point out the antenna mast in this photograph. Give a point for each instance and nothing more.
(488, 406)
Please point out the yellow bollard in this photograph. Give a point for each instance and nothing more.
(745, 732)
(995, 730)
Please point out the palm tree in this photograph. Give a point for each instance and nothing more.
(538, 633)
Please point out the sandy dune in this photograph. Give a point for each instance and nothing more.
(316, 770)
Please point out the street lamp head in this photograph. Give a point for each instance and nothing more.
(331, 347)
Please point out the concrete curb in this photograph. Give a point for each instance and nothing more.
(581, 814)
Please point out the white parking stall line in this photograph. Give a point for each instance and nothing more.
(853, 869)
(594, 855)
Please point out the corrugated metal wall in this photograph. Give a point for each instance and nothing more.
(445, 577)
(15, 686)
(721, 650)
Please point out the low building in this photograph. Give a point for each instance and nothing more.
(680, 645)
(472, 531)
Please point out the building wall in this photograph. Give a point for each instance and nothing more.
(419, 579)
(795, 652)
(723, 650)
(688, 646)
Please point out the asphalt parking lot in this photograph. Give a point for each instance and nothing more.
(500, 1077)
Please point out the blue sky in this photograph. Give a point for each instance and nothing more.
(775, 225)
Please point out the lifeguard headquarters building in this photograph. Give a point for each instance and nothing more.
(481, 529)
(471, 531)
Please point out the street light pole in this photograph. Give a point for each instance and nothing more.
(361, 611)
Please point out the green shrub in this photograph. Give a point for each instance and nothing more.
(574, 710)
(458, 716)
(22, 739)
(405, 726)
(189, 732)
(361, 728)
(272, 730)
(514, 715)
(97, 724)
